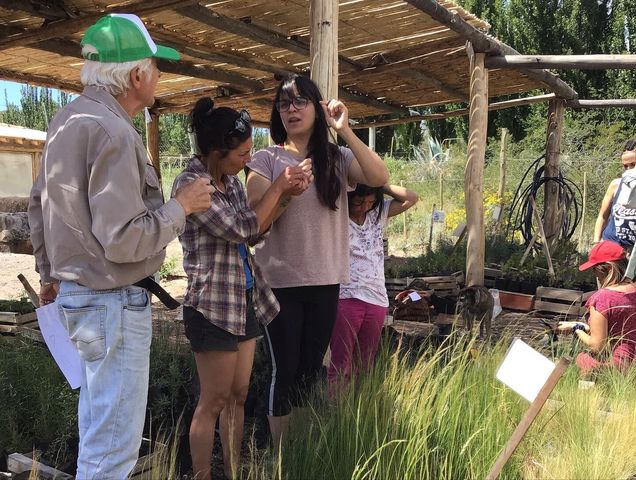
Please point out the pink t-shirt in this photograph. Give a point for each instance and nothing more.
(309, 243)
(619, 308)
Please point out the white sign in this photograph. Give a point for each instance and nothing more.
(496, 213)
(439, 216)
(525, 370)
(60, 345)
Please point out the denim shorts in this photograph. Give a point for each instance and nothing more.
(204, 336)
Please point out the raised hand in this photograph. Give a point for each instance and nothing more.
(292, 181)
(336, 114)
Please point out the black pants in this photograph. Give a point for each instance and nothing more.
(296, 342)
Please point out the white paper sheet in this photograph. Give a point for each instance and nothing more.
(60, 345)
(524, 369)
(415, 296)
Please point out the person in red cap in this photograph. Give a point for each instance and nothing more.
(99, 228)
(612, 312)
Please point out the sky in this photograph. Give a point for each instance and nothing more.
(13, 93)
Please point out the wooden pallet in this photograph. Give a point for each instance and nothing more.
(143, 469)
(490, 275)
(560, 301)
(444, 286)
(393, 287)
(18, 463)
(11, 322)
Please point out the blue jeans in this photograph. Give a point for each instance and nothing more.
(112, 330)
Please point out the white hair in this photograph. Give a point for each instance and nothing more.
(112, 76)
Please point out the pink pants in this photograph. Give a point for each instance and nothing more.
(355, 338)
(622, 356)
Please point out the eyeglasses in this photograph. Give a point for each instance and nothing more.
(298, 102)
(241, 125)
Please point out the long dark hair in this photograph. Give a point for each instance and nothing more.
(215, 128)
(324, 154)
(365, 190)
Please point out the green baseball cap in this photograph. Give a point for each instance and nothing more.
(122, 37)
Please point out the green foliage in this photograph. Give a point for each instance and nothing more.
(22, 305)
(39, 409)
(444, 415)
(260, 137)
(168, 267)
(172, 376)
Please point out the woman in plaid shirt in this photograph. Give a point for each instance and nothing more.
(226, 298)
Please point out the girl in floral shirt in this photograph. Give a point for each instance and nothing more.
(363, 301)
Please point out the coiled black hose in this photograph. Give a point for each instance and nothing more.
(520, 216)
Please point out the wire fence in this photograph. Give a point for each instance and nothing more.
(440, 183)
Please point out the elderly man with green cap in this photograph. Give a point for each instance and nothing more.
(99, 229)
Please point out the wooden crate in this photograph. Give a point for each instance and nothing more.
(393, 287)
(444, 286)
(560, 301)
(490, 275)
(143, 469)
(11, 322)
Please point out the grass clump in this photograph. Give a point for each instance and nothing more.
(444, 415)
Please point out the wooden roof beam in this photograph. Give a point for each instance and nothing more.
(64, 28)
(406, 69)
(607, 103)
(72, 49)
(38, 8)
(40, 80)
(562, 62)
(186, 46)
(517, 102)
(256, 33)
(484, 43)
(370, 101)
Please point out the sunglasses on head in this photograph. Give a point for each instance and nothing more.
(241, 124)
(298, 102)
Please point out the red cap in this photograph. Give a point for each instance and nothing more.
(604, 251)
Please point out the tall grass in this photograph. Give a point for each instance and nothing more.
(444, 415)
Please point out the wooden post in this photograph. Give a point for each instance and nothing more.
(372, 138)
(540, 226)
(501, 191)
(323, 46)
(474, 173)
(152, 141)
(583, 207)
(430, 230)
(403, 215)
(528, 418)
(551, 214)
(441, 190)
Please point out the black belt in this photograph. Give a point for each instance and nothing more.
(153, 287)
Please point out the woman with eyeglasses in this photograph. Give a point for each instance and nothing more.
(226, 297)
(610, 333)
(305, 257)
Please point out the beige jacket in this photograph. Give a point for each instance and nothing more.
(96, 211)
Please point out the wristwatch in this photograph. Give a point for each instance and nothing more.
(578, 326)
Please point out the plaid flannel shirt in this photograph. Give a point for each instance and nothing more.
(211, 258)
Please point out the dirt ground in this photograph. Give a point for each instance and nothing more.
(12, 264)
